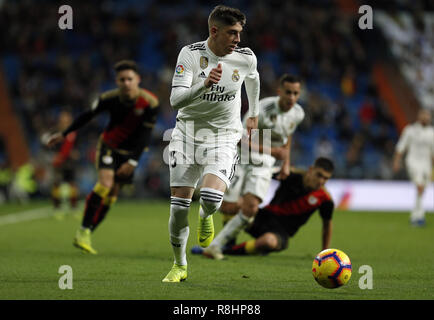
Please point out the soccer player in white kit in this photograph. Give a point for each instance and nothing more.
(417, 140)
(206, 91)
(280, 115)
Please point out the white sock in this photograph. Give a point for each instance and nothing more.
(231, 229)
(179, 229)
(418, 213)
(210, 201)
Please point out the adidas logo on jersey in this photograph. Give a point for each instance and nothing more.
(202, 75)
(223, 171)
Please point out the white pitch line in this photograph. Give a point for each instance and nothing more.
(27, 215)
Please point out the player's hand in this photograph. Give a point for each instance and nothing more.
(247, 143)
(52, 140)
(284, 173)
(251, 123)
(125, 170)
(396, 165)
(214, 76)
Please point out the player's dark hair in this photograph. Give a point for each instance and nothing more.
(126, 65)
(289, 78)
(325, 164)
(227, 16)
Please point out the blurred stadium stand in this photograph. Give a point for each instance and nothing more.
(353, 112)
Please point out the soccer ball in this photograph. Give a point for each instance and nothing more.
(331, 268)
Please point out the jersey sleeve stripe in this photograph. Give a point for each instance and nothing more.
(150, 97)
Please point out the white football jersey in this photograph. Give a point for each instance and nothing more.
(281, 124)
(418, 141)
(218, 107)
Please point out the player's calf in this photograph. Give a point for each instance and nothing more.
(210, 201)
(178, 228)
(93, 204)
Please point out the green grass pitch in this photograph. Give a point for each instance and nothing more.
(135, 255)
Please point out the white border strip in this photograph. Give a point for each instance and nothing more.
(371, 195)
(27, 215)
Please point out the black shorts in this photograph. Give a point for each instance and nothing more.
(64, 175)
(108, 158)
(267, 222)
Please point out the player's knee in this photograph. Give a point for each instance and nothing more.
(230, 208)
(274, 242)
(210, 200)
(101, 189)
(106, 182)
(106, 178)
(270, 242)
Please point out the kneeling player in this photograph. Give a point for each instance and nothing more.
(279, 115)
(296, 199)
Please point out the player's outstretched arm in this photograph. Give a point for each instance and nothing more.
(326, 233)
(79, 122)
(143, 142)
(397, 161)
(326, 213)
(286, 165)
(401, 148)
(252, 85)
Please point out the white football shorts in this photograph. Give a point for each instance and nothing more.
(249, 179)
(187, 167)
(419, 175)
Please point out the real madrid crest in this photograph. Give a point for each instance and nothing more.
(235, 76)
(203, 62)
